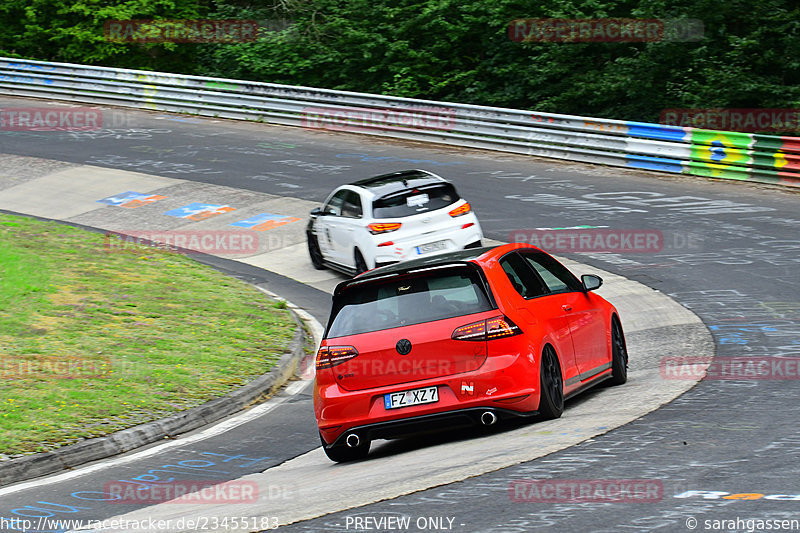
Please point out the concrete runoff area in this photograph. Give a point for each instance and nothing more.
(70, 192)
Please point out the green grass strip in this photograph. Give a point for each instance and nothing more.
(94, 340)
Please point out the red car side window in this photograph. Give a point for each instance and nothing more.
(522, 277)
(554, 274)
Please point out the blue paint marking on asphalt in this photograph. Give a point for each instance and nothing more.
(193, 209)
(251, 461)
(259, 219)
(123, 198)
(749, 328)
(39, 510)
(735, 333)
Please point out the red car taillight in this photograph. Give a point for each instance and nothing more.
(383, 227)
(501, 326)
(330, 356)
(489, 329)
(461, 210)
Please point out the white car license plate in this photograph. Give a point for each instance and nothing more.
(418, 200)
(431, 247)
(411, 397)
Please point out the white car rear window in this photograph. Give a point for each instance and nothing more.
(414, 201)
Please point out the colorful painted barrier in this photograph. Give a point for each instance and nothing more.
(655, 147)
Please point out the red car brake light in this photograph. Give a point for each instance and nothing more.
(461, 210)
(501, 326)
(470, 332)
(489, 329)
(330, 356)
(383, 227)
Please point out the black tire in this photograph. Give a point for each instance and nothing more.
(619, 354)
(361, 265)
(551, 385)
(314, 252)
(343, 454)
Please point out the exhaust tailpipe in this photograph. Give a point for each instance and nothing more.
(352, 441)
(488, 418)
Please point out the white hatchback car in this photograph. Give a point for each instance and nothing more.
(390, 218)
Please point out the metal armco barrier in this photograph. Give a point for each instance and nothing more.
(716, 154)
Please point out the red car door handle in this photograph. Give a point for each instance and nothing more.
(566, 307)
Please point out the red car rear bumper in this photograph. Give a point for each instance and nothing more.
(503, 384)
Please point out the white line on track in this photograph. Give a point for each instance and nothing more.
(291, 390)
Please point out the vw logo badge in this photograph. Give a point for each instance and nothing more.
(403, 346)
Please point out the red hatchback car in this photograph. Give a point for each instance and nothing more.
(457, 339)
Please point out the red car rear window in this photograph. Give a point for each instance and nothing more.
(407, 300)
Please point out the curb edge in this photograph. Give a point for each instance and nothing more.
(68, 457)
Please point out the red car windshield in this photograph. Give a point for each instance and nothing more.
(406, 300)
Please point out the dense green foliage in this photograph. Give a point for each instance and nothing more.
(452, 50)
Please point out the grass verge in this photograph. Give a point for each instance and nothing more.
(94, 341)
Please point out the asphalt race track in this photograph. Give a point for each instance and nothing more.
(729, 252)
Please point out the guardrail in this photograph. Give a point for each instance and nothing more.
(700, 152)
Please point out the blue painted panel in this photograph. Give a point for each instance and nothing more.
(654, 163)
(647, 130)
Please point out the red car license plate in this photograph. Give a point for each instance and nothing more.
(407, 398)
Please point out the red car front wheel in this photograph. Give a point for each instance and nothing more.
(551, 385)
(619, 354)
